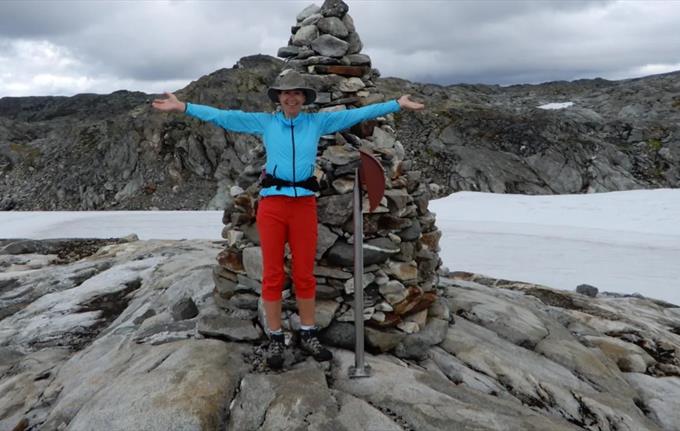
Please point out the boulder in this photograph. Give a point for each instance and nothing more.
(329, 46)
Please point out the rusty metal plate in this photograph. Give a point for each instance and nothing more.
(357, 71)
(372, 176)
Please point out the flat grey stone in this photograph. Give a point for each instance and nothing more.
(332, 25)
(288, 51)
(339, 334)
(359, 60)
(337, 8)
(324, 271)
(381, 341)
(340, 154)
(349, 23)
(310, 10)
(378, 250)
(326, 238)
(311, 19)
(252, 262)
(351, 85)
(228, 328)
(184, 309)
(587, 290)
(329, 46)
(246, 301)
(416, 346)
(334, 210)
(393, 291)
(305, 35)
(355, 44)
(412, 232)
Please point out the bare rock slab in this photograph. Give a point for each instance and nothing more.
(228, 328)
(297, 399)
(187, 388)
(441, 404)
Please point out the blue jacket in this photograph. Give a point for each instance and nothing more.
(290, 145)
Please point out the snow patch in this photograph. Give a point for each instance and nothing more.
(622, 242)
(561, 105)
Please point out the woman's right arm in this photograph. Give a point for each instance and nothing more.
(237, 121)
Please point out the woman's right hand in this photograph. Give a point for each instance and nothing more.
(169, 104)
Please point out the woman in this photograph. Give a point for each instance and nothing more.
(287, 208)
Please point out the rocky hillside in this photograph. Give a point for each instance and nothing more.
(125, 334)
(112, 152)
(613, 135)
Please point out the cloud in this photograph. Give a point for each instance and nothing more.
(63, 47)
(39, 19)
(514, 42)
(149, 45)
(40, 67)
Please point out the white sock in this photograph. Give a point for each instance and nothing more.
(277, 332)
(306, 328)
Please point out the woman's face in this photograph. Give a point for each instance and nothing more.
(291, 101)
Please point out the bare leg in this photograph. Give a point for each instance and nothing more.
(272, 311)
(306, 308)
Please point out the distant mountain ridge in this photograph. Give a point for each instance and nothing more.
(92, 152)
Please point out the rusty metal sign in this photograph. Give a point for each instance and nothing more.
(372, 177)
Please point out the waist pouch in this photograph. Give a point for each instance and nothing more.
(270, 180)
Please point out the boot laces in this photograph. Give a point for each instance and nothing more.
(275, 347)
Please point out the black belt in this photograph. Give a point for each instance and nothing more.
(270, 180)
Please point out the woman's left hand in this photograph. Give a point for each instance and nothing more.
(407, 103)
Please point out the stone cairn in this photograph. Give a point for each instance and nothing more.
(401, 239)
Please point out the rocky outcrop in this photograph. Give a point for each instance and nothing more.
(94, 152)
(608, 135)
(130, 337)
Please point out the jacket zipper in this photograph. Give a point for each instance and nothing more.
(292, 139)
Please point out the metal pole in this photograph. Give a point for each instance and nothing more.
(359, 369)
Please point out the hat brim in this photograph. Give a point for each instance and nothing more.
(310, 94)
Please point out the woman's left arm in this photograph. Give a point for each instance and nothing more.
(341, 120)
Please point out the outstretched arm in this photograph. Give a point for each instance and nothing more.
(341, 120)
(237, 121)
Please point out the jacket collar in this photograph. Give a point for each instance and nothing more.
(296, 121)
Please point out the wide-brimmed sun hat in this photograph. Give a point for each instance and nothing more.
(291, 80)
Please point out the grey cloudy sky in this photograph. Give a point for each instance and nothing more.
(67, 47)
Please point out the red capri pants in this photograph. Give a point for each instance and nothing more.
(282, 219)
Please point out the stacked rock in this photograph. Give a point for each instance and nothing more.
(401, 242)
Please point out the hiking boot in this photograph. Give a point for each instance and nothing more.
(311, 344)
(274, 353)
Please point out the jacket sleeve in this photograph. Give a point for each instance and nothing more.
(334, 121)
(236, 121)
